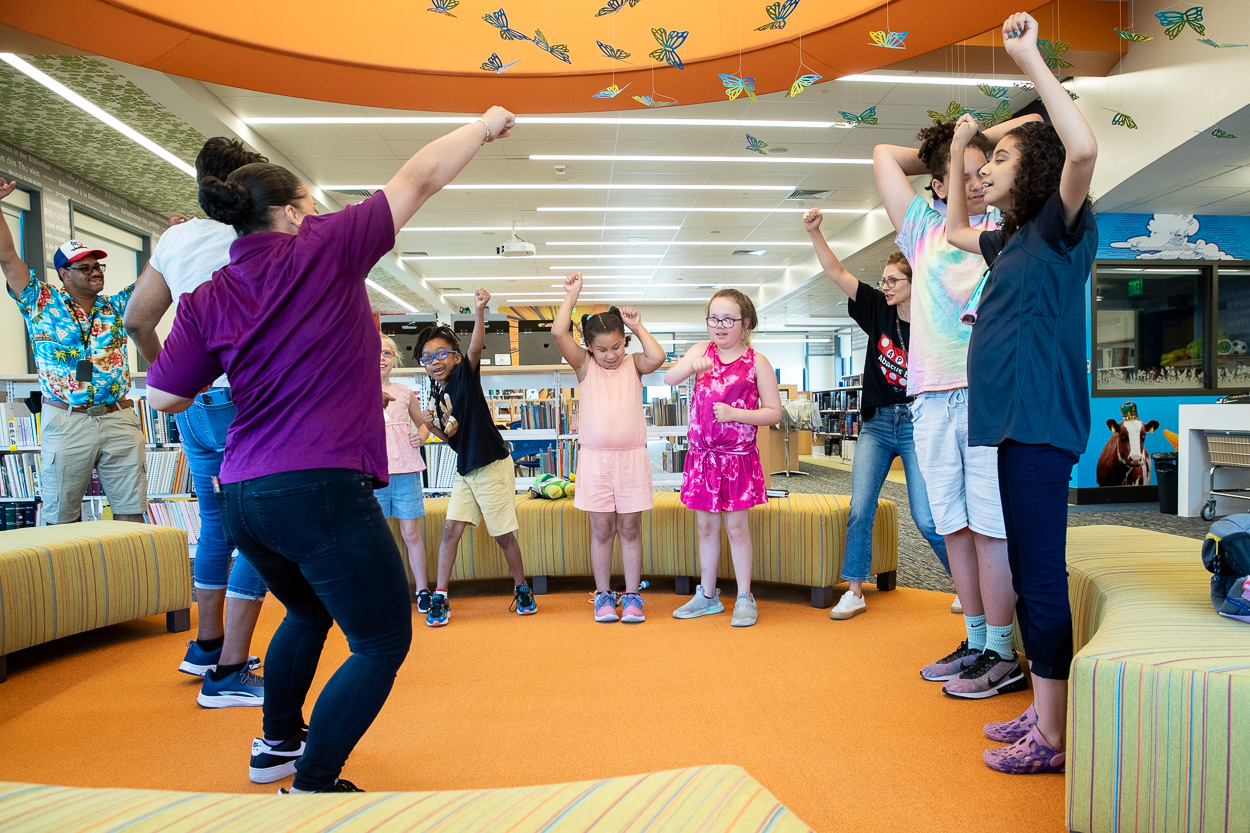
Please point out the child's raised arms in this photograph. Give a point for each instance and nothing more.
(575, 354)
(692, 363)
(478, 341)
(959, 232)
(652, 355)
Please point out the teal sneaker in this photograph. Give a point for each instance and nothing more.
(523, 601)
(700, 605)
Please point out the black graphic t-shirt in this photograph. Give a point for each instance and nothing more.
(885, 366)
(477, 442)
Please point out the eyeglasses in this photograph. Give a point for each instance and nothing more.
(388, 354)
(87, 270)
(437, 356)
(726, 322)
(889, 283)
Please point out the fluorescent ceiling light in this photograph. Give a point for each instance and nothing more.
(759, 267)
(541, 228)
(632, 121)
(718, 210)
(471, 278)
(757, 159)
(751, 243)
(83, 104)
(577, 186)
(940, 80)
(530, 257)
(639, 301)
(391, 295)
(691, 285)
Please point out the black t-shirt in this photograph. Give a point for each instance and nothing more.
(885, 365)
(477, 442)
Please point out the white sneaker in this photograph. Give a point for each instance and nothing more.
(956, 607)
(848, 606)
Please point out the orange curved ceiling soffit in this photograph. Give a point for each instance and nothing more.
(428, 54)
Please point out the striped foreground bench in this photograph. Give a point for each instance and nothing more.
(799, 540)
(60, 580)
(1159, 701)
(712, 799)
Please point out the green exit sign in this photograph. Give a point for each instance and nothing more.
(1134, 286)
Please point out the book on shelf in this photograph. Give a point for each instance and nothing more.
(168, 472)
(20, 515)
(21, 427)
(666, 411)
(560, 459)
(181, 514)
(440, 465)
(158, 428)
(20, 474)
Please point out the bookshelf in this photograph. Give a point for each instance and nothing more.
(839, 413)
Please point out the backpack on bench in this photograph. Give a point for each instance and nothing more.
(1226, 555)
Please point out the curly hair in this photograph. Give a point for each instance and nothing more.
(935, 148)
(1040, 165)
(436, 331)
(899, 259)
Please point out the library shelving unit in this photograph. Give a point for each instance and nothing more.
(839, 411)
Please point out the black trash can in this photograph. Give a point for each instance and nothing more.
(828, 445)
(1166, 478)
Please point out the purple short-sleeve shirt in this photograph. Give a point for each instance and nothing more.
(288, 319)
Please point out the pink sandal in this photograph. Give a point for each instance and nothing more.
(1028, 756)
(1010, 731)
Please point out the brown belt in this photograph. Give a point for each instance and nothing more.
(91, 410)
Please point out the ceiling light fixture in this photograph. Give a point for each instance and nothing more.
(670, 209)
(694, 285)
(391, 295)
(759, 267)
(940, 80)
(541, 228)
(86, 106)
(632, 242)
(531, 257)
(533, 300)
(757, 159)
(546, 120)
(577, 186)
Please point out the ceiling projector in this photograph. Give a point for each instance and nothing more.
(515, 247)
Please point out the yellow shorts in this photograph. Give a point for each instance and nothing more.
(489, 494)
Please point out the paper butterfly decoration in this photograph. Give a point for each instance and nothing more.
(735, 86)
(612, 51)
(493, 64)
(802, 83)
(989, 118)
(669, 42)
(648, 101)
(615, 6)
(777, 13)
(499, 20)
(443, 6)
(1222, 134)
(1123, 120)
(1212, 43)
(755, 145)
(1132, 36)
(869, 116)
(993, 92)
(610, 92)
(1175, 22)
(1053, 51)
(888, 40)
(1024, 85)
(555, 50)
(953, 111)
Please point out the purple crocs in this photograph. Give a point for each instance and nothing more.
(1030, 755)
(1010, 731)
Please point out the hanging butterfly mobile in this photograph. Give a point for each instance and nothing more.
(610, 92)
(755, 145)
(495, 65)
(443, 6)
(1053, 52)
(1134, 37)
(669, 41)
(555, 50)
(802, 83)
(612, 52)
(888, 40)
(648, 101)
(615, 6)
(869, 116)
(499, 20)
(1174, 23)
(985, 118)
(735, 86)
(1216, 45)
(1222, 134)
(1025, 85)
(993, 92)
(1122, 119)
(778, 13)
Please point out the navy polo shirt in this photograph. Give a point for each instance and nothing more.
(1027, 377)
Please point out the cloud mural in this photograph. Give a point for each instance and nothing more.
(1169, 239)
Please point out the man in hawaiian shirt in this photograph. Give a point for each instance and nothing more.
(80, 351)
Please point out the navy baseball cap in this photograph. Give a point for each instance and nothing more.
(72, 251)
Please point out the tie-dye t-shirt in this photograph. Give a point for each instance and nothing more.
(943, 281)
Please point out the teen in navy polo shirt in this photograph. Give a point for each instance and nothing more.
(1028, 393)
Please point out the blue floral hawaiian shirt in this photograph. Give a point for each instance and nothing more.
(59, 335)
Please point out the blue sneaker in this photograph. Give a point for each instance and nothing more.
(440, 611)
(242, 688)
(523, 601)
(199, 662)
(1236, 604)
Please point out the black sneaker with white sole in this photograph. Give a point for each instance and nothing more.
(273, 763)
(342, 785)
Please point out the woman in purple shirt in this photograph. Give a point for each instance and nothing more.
(289, 320)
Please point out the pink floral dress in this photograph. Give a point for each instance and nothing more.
(723, 471)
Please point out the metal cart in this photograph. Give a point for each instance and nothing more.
(1228, 449)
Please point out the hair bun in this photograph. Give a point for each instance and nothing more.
(614, 311)
(225, 202)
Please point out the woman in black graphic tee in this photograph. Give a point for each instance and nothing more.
(886, 430)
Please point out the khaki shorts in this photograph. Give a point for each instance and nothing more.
(74, 444)
(487, 493)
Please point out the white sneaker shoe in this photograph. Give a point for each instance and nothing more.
(956, 607)
(848, 606)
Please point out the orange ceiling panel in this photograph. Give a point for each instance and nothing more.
(400, 54)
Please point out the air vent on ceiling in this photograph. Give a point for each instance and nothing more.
(414, 254)
(363, 194)
(751, 252)
(805, 194)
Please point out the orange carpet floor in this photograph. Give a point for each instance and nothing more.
(832, 717)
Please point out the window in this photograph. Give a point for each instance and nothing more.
(21, 215)
(128, 251)
(1232, 318)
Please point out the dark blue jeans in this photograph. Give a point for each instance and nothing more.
(319, 541)
(1033, 481)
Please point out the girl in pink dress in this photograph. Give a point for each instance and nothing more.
(613, 468)
(735, 392)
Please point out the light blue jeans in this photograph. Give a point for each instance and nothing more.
(886, 436)
(202, 429)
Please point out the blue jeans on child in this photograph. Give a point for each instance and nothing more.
(319, 541)
(202, 429)
(886, 436)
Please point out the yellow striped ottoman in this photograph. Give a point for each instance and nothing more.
(1159, 698)
(712, 799)
(799, 540)
(67, 579)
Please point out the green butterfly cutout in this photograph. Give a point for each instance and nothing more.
(1052, 53)
(869, 116)
(1132, 36)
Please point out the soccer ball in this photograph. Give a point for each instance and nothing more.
(1238, 348)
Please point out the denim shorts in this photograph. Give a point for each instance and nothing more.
(403, 497)
(962, 480)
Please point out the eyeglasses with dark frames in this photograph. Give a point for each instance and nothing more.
(87, 270)
(726, 322)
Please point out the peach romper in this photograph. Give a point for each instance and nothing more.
(613, 468)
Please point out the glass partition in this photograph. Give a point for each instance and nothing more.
(1232, 321)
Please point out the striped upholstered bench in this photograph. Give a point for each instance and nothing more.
(798, 540)
(60, 580)
(1159, 702)
(713, 799)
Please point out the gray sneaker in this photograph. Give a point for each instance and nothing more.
(744, 612)
(700, 605)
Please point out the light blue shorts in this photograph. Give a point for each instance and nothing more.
(403, 497)
(962, 480)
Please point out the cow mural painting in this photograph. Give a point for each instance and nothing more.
(1124, 461)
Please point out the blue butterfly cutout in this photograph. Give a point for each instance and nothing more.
(556, 50)
(615, 6)
(669, 41)
(802, 83)
(443, 6)
(888, 40)
(869, 116)
(610, 92)
(612, 51)
(495, 65)
(1175, 22)
(777, 13)
(499, 20)
(651, 102)
(735, 86)
(755, 145)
